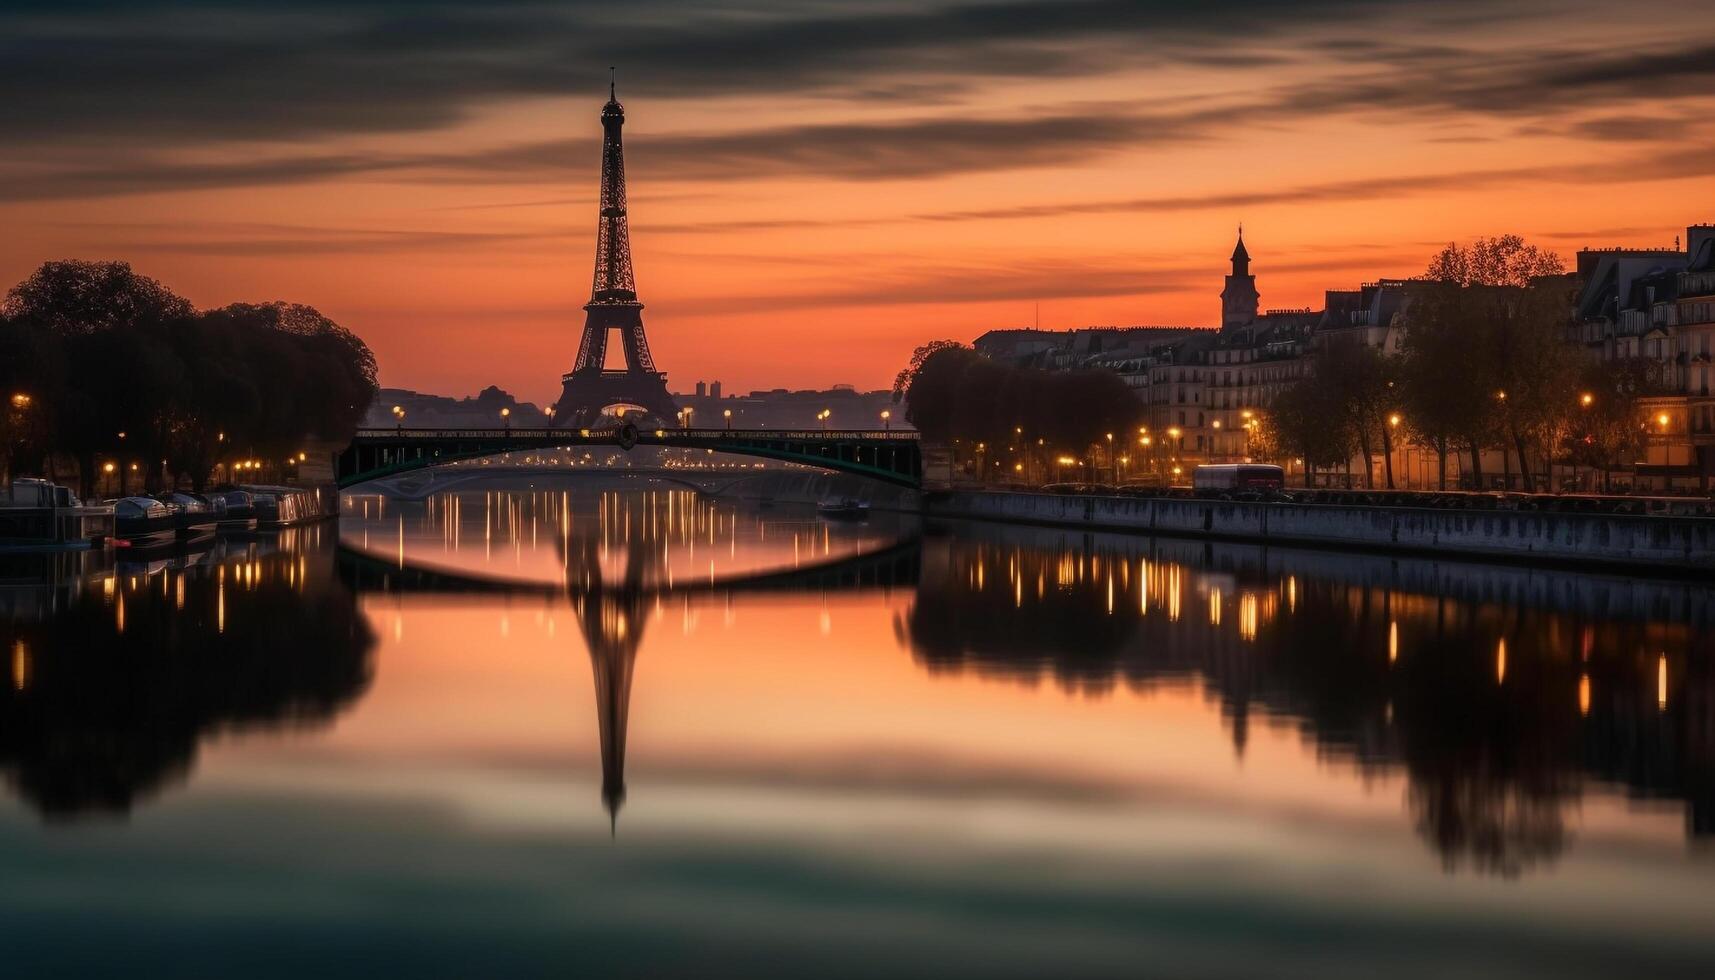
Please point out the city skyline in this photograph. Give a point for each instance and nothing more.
(806, 217)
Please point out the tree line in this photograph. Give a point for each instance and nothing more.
(1485, 363)
(954, 395)
(103, 366)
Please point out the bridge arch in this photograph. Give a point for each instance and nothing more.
(890, 457)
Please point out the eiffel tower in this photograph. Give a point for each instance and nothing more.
(591, 392)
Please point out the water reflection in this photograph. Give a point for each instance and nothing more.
(1499, 708)
(119, 670)
(621, 557)
(1503, 696)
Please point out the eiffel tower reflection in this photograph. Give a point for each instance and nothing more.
(611, 616)
(616, 571)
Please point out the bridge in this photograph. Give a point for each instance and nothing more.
(884, 455)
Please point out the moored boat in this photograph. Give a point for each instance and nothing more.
(240, 511)
(141, 522)
(193, 516)
(37, 514)
(843, 509)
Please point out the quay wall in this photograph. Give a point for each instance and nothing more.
(1662, 543)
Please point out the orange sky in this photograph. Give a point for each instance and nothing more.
(816, 190)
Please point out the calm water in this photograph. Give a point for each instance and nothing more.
(611, 728)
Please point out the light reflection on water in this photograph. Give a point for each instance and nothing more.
(532, 732)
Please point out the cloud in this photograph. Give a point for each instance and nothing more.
(279, 240)
(226, 69)
(1674, 164)
(100, 97)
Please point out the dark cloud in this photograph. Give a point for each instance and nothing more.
(1673, 164)
(276, 240)
(113, 77)
(236, 70)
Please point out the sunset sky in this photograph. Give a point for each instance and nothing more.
(817, 188)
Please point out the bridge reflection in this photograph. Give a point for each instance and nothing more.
(612, 608)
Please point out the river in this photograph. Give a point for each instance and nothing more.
(609, 727)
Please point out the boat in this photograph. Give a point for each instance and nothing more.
(143, 522)
(278, 507)
(193, 516)
(39, 514)
(239, 514)
(843, 509)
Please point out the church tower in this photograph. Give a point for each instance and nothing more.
(1239, 299)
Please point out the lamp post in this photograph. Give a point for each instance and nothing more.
(689, 412)
(1113, 465)
(399, 418)
(727, 414)
(886, 419)
(1393, 421)
(506, 418)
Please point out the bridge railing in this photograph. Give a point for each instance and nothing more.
(606, 435)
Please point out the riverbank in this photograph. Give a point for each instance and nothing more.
(1676, 544)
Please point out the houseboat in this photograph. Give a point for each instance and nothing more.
(40, 514)
(143, 522)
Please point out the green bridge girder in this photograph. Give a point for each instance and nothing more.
(888, 456)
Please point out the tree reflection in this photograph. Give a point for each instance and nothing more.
(112, 693)
(1486, 707)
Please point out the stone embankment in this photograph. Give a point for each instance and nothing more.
(1679, 544)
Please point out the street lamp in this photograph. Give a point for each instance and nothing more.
(1586, 400)
(727, 414)
(506, 418)
(886, 418)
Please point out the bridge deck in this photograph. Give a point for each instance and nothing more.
(887, 455)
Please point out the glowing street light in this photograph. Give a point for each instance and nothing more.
(1393, 420)
(1662, 420)
(1586, 399)
(887, 418)
(727, 414)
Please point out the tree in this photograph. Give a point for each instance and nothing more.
(953, 395)
(1503, 261)
(908, 375)
(1310, 422)
(1504, 304)
(1361, 389)
(115, 365)
(1606, 431)
(73, 297)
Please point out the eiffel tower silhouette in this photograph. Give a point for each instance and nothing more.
(589, 391)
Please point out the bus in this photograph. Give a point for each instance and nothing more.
(1238, 476)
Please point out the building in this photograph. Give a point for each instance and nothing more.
(1666, 317)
